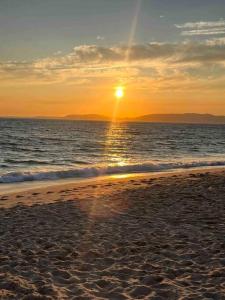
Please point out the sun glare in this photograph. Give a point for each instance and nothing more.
(119, 93)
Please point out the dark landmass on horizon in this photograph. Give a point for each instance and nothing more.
(183, 118)
(88, 117)
(190, 118)
(186, 118)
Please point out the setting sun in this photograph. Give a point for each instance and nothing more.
(119, 92)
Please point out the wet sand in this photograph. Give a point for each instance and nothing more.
(136, 238)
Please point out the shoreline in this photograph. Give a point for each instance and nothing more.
(13, 188)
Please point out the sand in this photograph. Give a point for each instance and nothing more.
(135, 238)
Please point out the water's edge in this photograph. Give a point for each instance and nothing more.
(101, 170)
(31, 185)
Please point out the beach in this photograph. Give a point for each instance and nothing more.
(145, 237)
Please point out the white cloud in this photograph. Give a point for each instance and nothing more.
(100, 38)
(202, 28)
(201, 24)
(214, 31)
(58, 52)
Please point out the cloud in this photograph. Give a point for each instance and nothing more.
(94, 56)
(201, 53)
(201, 24)
(202, 28)
(216, 42)
(100, 38)
(214, 31)
(58, 52)
(162, 63)
(151, 52)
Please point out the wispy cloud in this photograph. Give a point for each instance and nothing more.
(150, 53)
(160, 64)
(214, 31)
(201, 24)
(202, 28)
(216, 41)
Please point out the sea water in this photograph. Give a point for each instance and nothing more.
(37, 150)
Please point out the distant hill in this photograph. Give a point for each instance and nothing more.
(187, 118)
(90, 117)
(190, 118)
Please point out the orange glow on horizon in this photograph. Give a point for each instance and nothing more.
(61, 100)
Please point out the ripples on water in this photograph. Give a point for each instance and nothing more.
(50, 149)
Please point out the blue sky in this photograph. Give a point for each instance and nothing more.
(38, 28)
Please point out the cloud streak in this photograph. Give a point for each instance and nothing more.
(202, 28)
(201, 24)
(214, 31)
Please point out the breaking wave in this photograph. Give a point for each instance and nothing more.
(94, 171)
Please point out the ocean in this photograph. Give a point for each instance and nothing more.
(38, 150)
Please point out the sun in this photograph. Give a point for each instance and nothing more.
(119, 93)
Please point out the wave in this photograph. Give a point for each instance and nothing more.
(42, 162)
(26, 161)
(94, 171)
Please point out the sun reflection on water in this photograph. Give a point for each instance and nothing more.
(115, 144)
(121, 176)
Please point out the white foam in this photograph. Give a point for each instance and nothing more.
(94, 171)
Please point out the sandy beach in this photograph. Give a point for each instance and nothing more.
(148, 237)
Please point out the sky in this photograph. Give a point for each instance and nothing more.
(67, 57)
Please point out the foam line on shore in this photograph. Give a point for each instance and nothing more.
(95, 171)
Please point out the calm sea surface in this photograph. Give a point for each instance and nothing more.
(53, 149)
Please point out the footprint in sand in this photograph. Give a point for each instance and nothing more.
(35, 194)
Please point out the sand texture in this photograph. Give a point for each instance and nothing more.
(143, 238)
